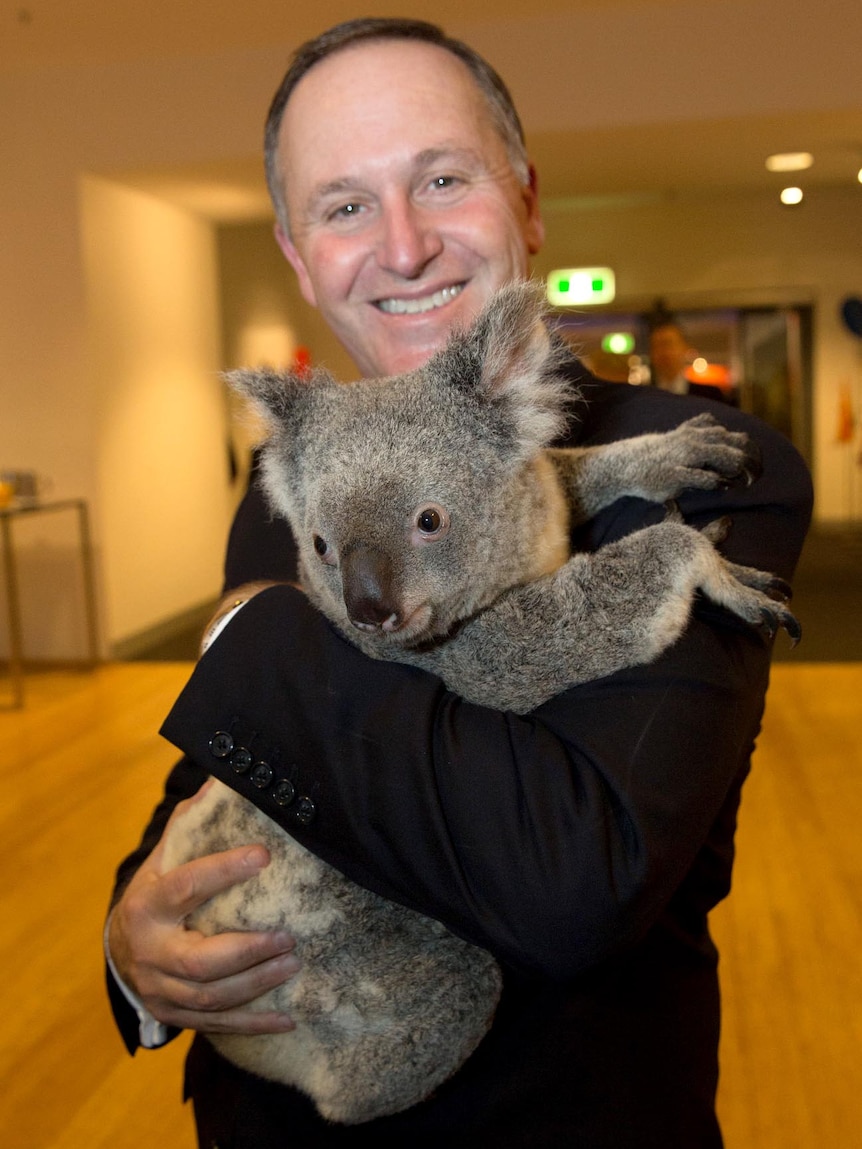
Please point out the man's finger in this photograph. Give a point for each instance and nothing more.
(242, 983)
(181, 890)
(243, 1021)
(261, 959)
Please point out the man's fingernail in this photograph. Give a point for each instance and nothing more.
(255, 858)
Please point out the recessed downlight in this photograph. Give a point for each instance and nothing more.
(789, 161)
(791, 196)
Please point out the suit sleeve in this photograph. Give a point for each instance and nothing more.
(553, 839)
(258, 548)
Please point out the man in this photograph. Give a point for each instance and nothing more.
(669, 358)
(584, 844)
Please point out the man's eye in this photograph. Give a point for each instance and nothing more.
(346, 211)
(443, 182)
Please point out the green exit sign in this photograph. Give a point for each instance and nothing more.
(580, 286)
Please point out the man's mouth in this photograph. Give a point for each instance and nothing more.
(421, 305)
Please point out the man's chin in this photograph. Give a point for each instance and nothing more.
(396, 355)
(406, 342)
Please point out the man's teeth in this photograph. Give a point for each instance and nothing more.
(417, 306)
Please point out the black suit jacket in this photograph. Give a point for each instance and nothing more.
(583, 844)
(708, 391)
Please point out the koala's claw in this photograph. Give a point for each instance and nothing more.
(769, 622)
(772, 620)
(753, 465)
(779, 590)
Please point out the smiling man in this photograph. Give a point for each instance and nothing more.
(584, 844)
(401, 216)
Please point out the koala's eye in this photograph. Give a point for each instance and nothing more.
(431, 522)
(323, 549)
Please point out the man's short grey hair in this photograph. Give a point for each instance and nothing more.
(497, 96)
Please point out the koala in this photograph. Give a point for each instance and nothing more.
(433, 523)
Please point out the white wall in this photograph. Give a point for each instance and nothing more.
(161, 436)
(156, 483)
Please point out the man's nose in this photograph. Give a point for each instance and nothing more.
(409, 239)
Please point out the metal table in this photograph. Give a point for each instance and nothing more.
(8, 515)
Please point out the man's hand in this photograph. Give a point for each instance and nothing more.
(182, 977)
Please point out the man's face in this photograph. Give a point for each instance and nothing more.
(405, 212)
(668, 352)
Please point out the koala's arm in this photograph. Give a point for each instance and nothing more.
(700, 454)
(555, 838)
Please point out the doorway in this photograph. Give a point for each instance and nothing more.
(760, 357)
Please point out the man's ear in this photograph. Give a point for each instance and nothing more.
(297, 263)
(534, 230)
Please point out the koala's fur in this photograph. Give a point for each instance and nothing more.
(388, 1004)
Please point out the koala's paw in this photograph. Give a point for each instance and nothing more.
(704, 455)
(761, 598)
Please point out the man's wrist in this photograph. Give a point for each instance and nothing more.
(219, 623)
(151, 1033)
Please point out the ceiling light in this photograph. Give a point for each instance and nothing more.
(859, 175)
(789, 161)
(791, 196)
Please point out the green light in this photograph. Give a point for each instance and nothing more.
(577, 286)
(619, 343)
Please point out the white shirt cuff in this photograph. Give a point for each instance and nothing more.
(219, 625)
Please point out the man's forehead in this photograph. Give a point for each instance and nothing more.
(371, 56)
(365, 77)
(385, 105)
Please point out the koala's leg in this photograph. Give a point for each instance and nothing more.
(700, 453)
(387, 1003)
(621, 606)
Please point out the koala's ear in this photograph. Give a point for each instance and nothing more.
(514, 364)
(276, 394)
(516, 340)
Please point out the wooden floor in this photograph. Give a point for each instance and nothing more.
(81, 767)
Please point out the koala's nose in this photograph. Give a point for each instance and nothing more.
(368, 587)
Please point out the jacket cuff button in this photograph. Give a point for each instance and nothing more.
(221, 744)
(241, 760)
(284, 792)
(305, 811)
(261, 775)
